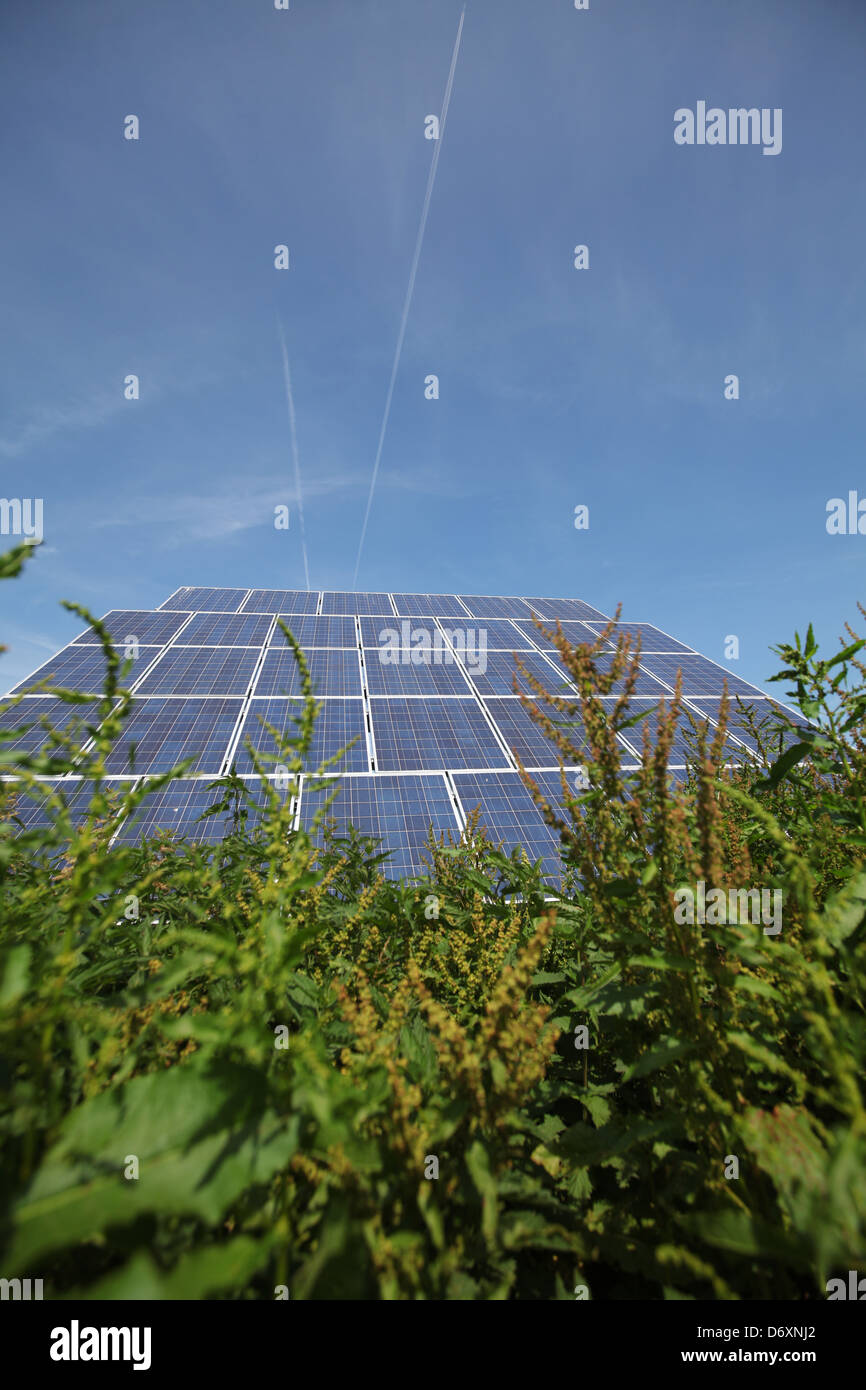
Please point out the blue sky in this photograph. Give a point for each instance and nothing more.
(558, 387)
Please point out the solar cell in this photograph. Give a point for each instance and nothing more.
(333, 671)
(403, 676)
(161, 733)
(509, 815)
(443, 733)
(564, 608)
(225, 630)
(646, 684)
(432, 605)
(652, 638)
(84, 668)
(202, 671)
(127, 626)
(488, 606)
(700, 676)
(356, 603)
(281, 601)
(338, 723)
(683, 746)
(28, 716)
(395, 810)
(205, 600)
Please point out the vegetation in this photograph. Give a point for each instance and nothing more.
(259, 1068)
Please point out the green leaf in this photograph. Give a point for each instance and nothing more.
(844, 912)
(16, 975)
(668, 1050)
(478, 1165)
(782, 765)
(202, 1136)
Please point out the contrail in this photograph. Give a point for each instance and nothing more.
(291, 404)
(413, 272)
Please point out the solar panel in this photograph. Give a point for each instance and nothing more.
(405, 676)
(471, 635)
(28, 715)
(225, 630)
(333, 671)
(576, 633)
(652, 638)
(646, 684)
(524, 736)
(766, 714)
(281, 601)
(356, 603)
(164, 732)
(436, 733)
(395, 810)
(338, 723)
(700, 676)
(509, 814)
(488, 606)
(205, 600)
(26, 807)
(496, 675)
(179, 805)
(564, 608)
(318, 632)
(126, 626)
(202, 671)
(424, 605)
(84, 669)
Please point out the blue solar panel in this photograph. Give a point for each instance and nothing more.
(126, 626)
(338, 723)
(225, 630)
(488, 606)
(509, 815)
(281, 601)
(496, 675)
(167, 731)
(318, 632)
(202, 671)
(645, 684)
(524, 736)
(652, 638)
(25, 807)
(84, 668)
(766, 714)
(563, 608)
(398, 811)
(406, 676)
(333, 671)
(28, 713)
(179, 805)
(435, 733)
(356, 603)
(578, 634)
(700, 676)
(423, 605)
(205, 600)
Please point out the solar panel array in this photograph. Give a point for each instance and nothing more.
(420, 685)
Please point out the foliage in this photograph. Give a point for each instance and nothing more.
(147, 992)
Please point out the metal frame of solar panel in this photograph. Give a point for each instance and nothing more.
(437, 705)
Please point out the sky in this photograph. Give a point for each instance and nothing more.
(559, 387)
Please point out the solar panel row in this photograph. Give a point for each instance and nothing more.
(420, 685)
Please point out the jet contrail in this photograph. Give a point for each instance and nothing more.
(291, 404)
(413, 272)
